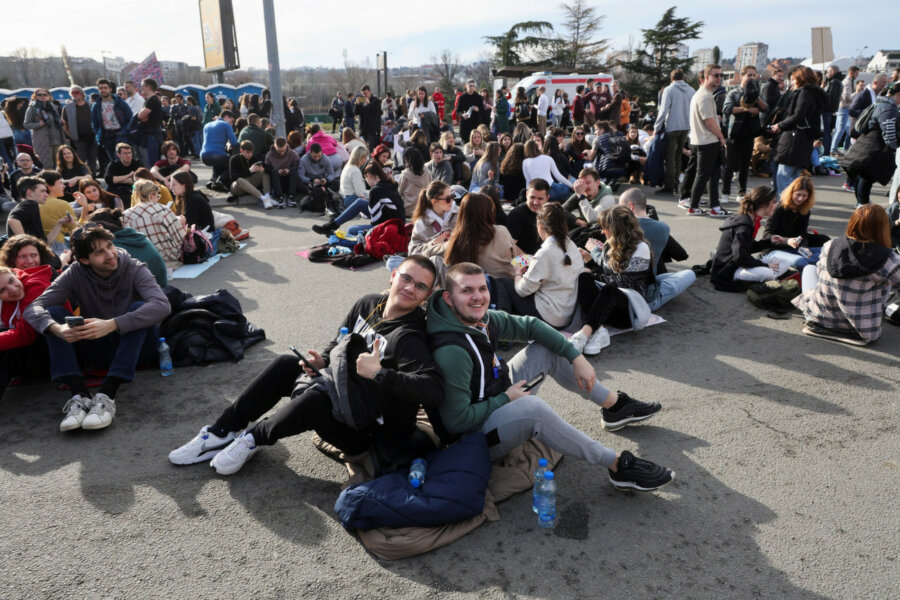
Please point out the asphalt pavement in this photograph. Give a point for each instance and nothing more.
(786, 451)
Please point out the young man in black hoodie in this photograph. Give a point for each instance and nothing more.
(398, 372)
(121, 305)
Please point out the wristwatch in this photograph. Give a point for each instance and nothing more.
(380, 376)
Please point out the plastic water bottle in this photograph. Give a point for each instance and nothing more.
(338, 250)
(538, 479)
(165, 358)
(344, 331)
(417, 472)
(547, 501)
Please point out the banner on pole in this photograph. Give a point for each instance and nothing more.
(149, 68)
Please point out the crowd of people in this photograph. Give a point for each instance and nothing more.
(515, 234)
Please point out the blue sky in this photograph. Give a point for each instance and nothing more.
(412, 35)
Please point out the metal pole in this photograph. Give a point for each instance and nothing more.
(386, 73)
(276, 117)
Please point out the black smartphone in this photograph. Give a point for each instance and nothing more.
(305, 362)
(74, 321)
(533, 382)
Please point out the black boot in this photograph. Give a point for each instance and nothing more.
(326, 229)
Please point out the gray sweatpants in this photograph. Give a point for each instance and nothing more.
(530, 417)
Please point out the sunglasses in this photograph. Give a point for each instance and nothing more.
(716, 75)
(42, 95)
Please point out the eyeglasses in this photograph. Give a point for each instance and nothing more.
(79, 233)
(420, 287)
(42, 95)
(716, 75)
(579, 134)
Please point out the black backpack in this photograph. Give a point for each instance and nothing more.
(774, 295)
(892, 309)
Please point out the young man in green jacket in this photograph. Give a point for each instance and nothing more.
(479, 393)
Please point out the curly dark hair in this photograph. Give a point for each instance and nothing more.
(14, 245)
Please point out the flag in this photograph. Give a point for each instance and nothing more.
(149, 68)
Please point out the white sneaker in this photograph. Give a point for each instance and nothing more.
(578, 340)
(724, 199)
(597, 342)
(684, 203)
(267, 202)
(203, 447)
(739, 198)
(76, 410)
(103, 409)
(232, 458)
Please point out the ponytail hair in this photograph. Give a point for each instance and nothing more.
(434, 189)
(553, 219)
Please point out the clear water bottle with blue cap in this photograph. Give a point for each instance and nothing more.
(547, 501)
(165, 358)
(538, 478)
(343, 333)
(417, 472)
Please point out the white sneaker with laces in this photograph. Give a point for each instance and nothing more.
(230, 460)
(103, 409)
(578, 340)
(597, 342)
(684, 203)
(76, 410)
(724, 199)
(203, 447)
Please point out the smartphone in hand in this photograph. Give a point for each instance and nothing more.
(305, 361)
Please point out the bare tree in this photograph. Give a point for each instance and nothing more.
(446, 69)
(480, 70)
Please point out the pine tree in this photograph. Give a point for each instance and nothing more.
(510, 48)
(578, 49)
(655, 60)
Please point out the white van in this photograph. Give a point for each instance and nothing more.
(552, 82)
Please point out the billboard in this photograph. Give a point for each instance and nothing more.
(218, 35)
(822, 51)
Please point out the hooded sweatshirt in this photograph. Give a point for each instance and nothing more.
(140, 247)
(451, 344)
(105, 298)
(735, 249)
(17, 333)
(675, 108)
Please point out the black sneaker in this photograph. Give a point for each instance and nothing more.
(326, 229)
(230, 198)
(847, 337)
(638, 474)
(627, 410)
(291, 202)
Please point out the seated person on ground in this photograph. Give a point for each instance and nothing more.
(433, 220)
(463, 334)
(522, 220)
(283, 164)
(90, 196)
(120, 174)
(316, 172)
(412, 180)
(353, 186)
(384, 203)
(396, 372)
(249, 176)
(26, 251)
(121, 305)
(437, 167)
(477, 239)
(170, 163)
(26, 216)
(55, 210)
(143, 174)
(156, 221)
(261, 139)
(191, 206)
(25, 167)
(788, 227)
(135, 243)
(845, 293)
(72, 169)
(734, 262)
(591, 197)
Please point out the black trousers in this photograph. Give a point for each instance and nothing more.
(739, 152)
(308, 411)
(709, 169)
(690, 173)
(508, 300)
(607, 305)
(285, 184)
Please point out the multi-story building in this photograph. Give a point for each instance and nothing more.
(884, 61)
(702, 57)
(755, 54)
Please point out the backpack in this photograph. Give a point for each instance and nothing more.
(892, 309)
(774, 295)
(317, 199)
(523, 111)
(862, 121)
(196, 247)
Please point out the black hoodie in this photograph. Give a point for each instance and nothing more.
(848, 258)
(736, 245)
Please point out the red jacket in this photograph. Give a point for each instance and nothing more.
(19, 333)
(438, 99)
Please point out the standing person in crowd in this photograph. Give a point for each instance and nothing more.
(469, 109)
(522, 113)
(742, 108)
(771, 92)
(7, 138)
(733, 262)
(396, 372)
(211, 109)
(841, 138)
(369, 110)
(833, 92)
(505, 412)
(15, 108)
(708, 143)
(350, 113)
(293, 116)
(43, 119)
(542, 107)
(283, 164)
(501, 112)
(265, 105)
(120, 175)
(133, 98)
(337, 111)
(862, 101)
(151, 118)
(122, 305)
(799, 127)
(419, 106)
(557, 108)
(388, 108)
(72, 169)
(487, 114)
(845, 293)
(90, 196)
(156, 221)
(174, 121)
(217, 136)
(109, 119)
(674, 118)
(439, 102)
(244, 105)
(434, 219)
(76, 123)
(873, 157)
(476, 238)
(135, 243)
(193, 128)
(249, 176)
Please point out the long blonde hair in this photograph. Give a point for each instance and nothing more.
(144, 188)
(358, 156)
(624, 235)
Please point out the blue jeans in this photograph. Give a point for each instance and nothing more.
(349, 199)
(360, 206)
(120, 353)
(784, 176)
(669, 285)
(150, 150)
(22, 136)
(827, 125)
(559, 192)
(841, 136)
(197, 141)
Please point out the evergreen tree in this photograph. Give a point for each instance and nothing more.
(510, 48)
(577, 48)
(655, 60)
